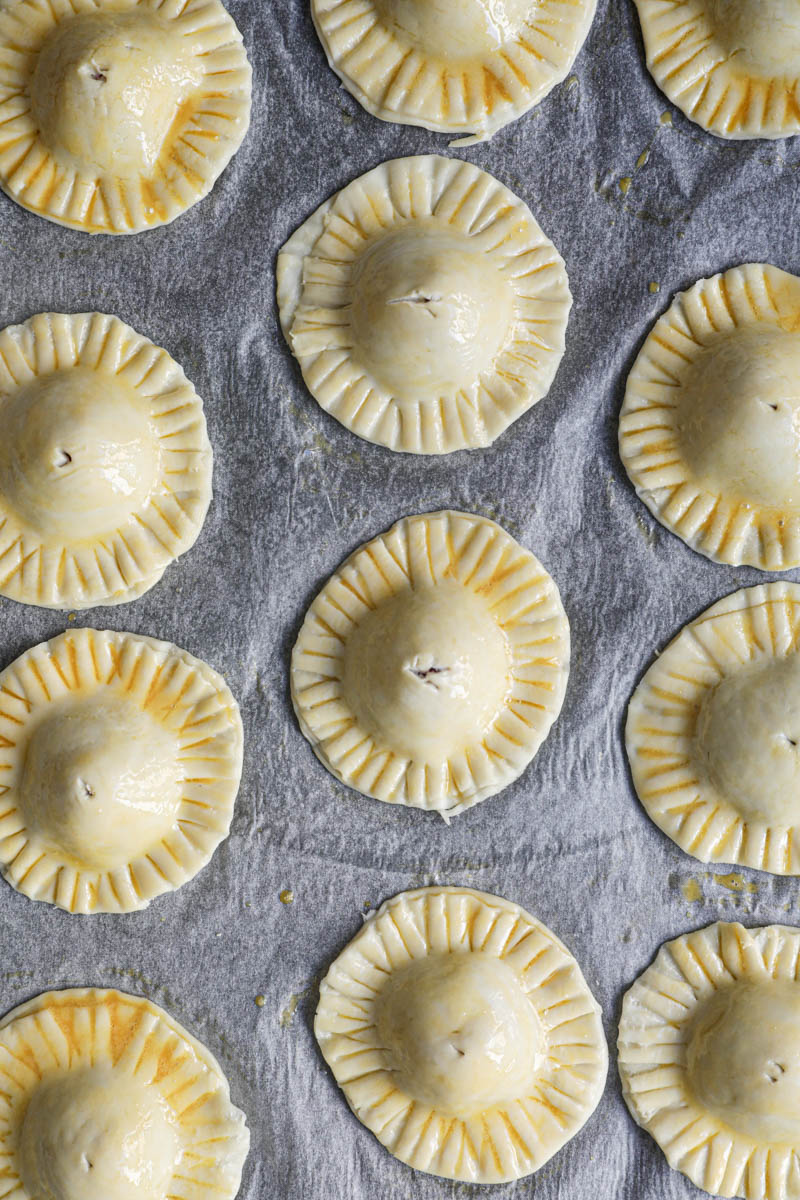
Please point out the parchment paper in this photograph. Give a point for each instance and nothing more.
(295, 493)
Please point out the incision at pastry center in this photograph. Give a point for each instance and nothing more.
(428, 313)
(101, 780)
(457, 28)
(743, 1059)
(748, 738)
(762, 35)
(427, 671)
(78, 453)
(460, 1033)
(108, 87)
(739, 417)
(88, 1135)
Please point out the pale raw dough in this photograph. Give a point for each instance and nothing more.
(709, 1055)
(713, 732)
(120, 760)
(105, 463)
(463, 1035)
(709, 431)
(454, 66)
(733, 66)
(105, 1097)
(433, 663)
(425, 306)
(117, 116)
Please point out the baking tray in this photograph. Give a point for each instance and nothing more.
(632, 201)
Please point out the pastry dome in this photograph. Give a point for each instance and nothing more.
(120, 760)
(105, 464)
(713, 732)
(709, 1055)
(432, 664)
(118, 116)
(454, 66)
(709, 431)
(425, 306)
(463, 1035)
(94, 1104)
(733, 66)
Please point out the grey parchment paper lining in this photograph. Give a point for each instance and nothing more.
(295, 493)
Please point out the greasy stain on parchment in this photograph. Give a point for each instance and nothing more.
(288, 1013)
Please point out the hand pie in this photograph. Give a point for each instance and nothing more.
(105, 464)
(118, 115)
(106, 1097)
(430, 667)
(733, 66)
(710, 427)
(425, 306)
(454, 66)
(120, 760)
(709, 1055)
(713, 732)
(463, 1035)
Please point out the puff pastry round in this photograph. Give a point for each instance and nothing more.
(430, 667)
(425, 306)
(713, 732)
(454, 66)
(463, 1035)
(120, 760)
(710, 426)
(105, 463)
(709, 1055)
(106, 1097)
(118, 115)
(733, 66)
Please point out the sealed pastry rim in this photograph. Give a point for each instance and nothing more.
(394, 80)
(707, 83)
(653, 1034)
(181, 691)
(502, 1143)
(723, 528)
(97, 201)
(416, 552)
(315, 285)
(751, 626)
(59, 1031)
(126, 562)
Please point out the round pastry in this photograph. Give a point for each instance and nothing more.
(709, 1055)
(118, 115)
(713, 732)
(454, 66)
(463, 1035)
(425, 306)
(709, 431)
(733, 66)
(106, 1097)
(105, 463)
(430, 667)
(120, 760)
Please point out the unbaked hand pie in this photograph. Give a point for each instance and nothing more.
(118, 115)
(709, 1055)
(425, 306)
(454, 66)
(105, 464)
(120, 760)
(713, 732)
(106, 1097)
(463, 1035)
(733, 66)
(710, 427)
(430, 667)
